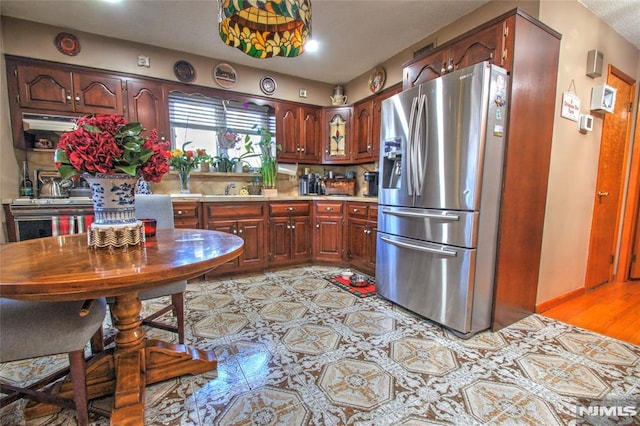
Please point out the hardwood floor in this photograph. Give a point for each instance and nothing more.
(612, 309)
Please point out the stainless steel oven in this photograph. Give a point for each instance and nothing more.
(33, 217)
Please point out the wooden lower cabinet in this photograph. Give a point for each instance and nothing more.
(289, 233)
(247, 220)
(328, 238)
(361, 232)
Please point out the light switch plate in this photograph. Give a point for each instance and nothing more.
(303, 93)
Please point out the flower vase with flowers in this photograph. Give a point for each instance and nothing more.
(184, 161)
(112, 154)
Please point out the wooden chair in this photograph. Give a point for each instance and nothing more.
(37, 329)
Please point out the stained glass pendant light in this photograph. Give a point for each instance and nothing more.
(263, 29)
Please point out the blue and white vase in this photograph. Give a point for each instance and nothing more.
(113, 198)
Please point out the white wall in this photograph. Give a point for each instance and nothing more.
(574, 156)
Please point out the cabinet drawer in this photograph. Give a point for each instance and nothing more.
(358, 210)
(289, 209)
(233, 210)
(328, 208)
(185, 210)
(373, 212)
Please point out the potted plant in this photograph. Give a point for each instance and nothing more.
(269, 160)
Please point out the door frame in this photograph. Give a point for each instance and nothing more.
(632, 199)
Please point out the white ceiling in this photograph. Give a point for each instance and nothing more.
(355, 35)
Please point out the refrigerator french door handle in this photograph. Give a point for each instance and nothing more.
(409, 147)
(442, 251)
(416, 156)
(447, 217)
(422, 147)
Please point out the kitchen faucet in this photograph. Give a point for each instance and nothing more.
(228, 187)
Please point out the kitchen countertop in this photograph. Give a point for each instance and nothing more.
(232, 198)
(237, 198)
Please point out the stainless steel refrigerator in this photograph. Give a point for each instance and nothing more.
(441, 156)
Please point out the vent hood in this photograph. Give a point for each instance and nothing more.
(52, 123)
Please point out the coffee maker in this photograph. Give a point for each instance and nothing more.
(371, 179)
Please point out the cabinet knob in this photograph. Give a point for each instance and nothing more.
(235, 231)
(68, 97)
(240, 231)
(179, 212)
(328, 208)
(77, 98)
(318, 225)
(356, 210)
(291, 208)
(302, 149)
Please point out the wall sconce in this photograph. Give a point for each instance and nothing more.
(595, 58)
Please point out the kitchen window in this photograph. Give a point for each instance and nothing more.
(204, 120)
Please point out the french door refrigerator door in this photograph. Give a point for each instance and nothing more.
(433, 280)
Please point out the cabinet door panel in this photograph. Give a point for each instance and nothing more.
(252, 232)
(287, 116)
(45, 88)
(230, 227)
(300, 238)
(485, 45)
(336, 135)
(310, 134)
(357, 240)
(96, 94)
(279, 240)
(328, 238)
(146, 105)
(426, 68)
(362, 132)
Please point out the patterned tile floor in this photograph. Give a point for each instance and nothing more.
(296, 350)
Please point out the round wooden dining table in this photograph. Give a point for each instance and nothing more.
(65, 268)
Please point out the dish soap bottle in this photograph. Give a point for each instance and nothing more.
(26, 186)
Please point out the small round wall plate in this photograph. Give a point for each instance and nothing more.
(268, 85)
(184, 71)
(67, 44)
(224, 75)
(377, 79)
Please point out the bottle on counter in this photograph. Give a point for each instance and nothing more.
(26, 185)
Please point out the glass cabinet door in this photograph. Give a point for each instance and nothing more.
(337, 136)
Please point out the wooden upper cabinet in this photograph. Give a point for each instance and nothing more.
(426, 68)
(298, 132)
(147, 105)
(53, 89)
(310, 134)
(486, 43)
(287, 117)
(97, 93)
(44, 88)
(363, 130)
(336, 135)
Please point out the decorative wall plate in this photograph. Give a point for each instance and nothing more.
(377, 79)
(67, 44)
(225, 75)
(268, 85)
(184, 71)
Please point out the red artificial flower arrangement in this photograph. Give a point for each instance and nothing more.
(109, 144)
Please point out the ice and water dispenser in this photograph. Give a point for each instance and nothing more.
(392, 163)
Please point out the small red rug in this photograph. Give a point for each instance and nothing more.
(344, 284)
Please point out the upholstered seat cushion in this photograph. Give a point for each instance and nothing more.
(33, 329)
(168, 289)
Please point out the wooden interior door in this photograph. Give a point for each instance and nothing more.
(634, 269)
(616, 128)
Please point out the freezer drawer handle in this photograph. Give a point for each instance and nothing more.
(451, 217)
(442, 252)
